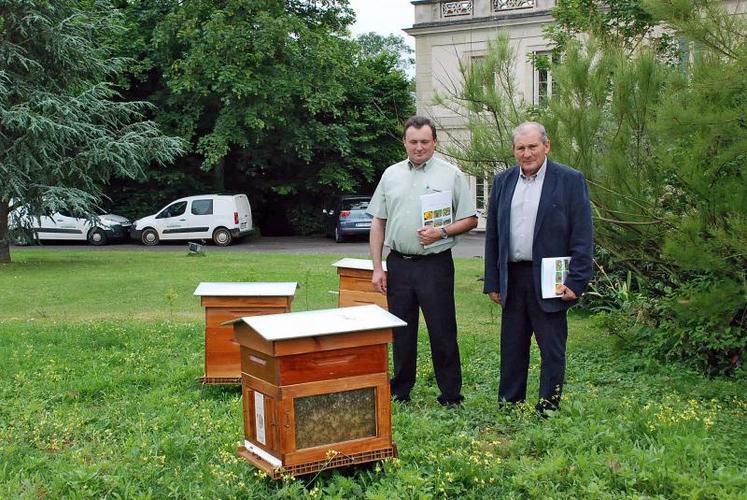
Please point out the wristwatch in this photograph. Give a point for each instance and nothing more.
(444, 234)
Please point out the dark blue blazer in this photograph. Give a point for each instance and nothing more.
(563, 228)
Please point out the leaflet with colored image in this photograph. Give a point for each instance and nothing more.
(554, 273)
(435, 210)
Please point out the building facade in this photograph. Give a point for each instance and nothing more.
(448, 33)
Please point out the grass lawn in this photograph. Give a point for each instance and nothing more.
(100, 352)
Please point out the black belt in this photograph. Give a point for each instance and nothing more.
(521, 263)
(406, 256)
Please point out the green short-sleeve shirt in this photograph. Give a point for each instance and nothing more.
(397, 199)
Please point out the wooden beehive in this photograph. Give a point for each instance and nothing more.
(315, 389)
(226, 301)
(355, 283)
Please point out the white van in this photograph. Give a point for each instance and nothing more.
(210, 216)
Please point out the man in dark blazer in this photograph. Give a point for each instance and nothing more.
(537, 209)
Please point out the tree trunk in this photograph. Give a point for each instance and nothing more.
(218, 178)
(4, 236)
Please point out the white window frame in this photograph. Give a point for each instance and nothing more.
(537, 78)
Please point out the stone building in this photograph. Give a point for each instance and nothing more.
(447, 32)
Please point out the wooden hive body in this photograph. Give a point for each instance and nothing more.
(315, 389)
(355, 283)
(225, 301)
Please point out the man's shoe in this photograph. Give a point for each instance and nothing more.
(400, 399)
(450, 403)
(545, 408)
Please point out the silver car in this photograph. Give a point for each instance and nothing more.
(347, 217)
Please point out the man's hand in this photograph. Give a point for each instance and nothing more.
(566, 293)
(495, 297)
(379, 281)
(376, 244)
(428, 235)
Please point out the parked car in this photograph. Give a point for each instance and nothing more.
(65, 226)
(347, 217)
(221, 218)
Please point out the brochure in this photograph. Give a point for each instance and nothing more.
(554, 272)
(435, 210)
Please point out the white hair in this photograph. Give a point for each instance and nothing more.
(526, 127)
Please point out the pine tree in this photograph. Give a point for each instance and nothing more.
(64, 131)
(487, 98)
(663, 145)
(703, 119)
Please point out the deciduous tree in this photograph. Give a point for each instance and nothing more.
(275, 98)
(373, 44)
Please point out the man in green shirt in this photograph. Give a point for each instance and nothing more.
(420, 267)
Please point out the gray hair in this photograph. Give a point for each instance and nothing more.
(526, 127)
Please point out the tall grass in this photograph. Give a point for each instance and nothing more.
(100, 352)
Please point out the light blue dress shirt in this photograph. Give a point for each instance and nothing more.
(524, 206)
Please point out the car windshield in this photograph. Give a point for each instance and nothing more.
(173, 210)
(355, 204)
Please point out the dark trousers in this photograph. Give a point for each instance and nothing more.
(521, 317)
(426, 283)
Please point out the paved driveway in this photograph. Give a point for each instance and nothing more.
(470, 245)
